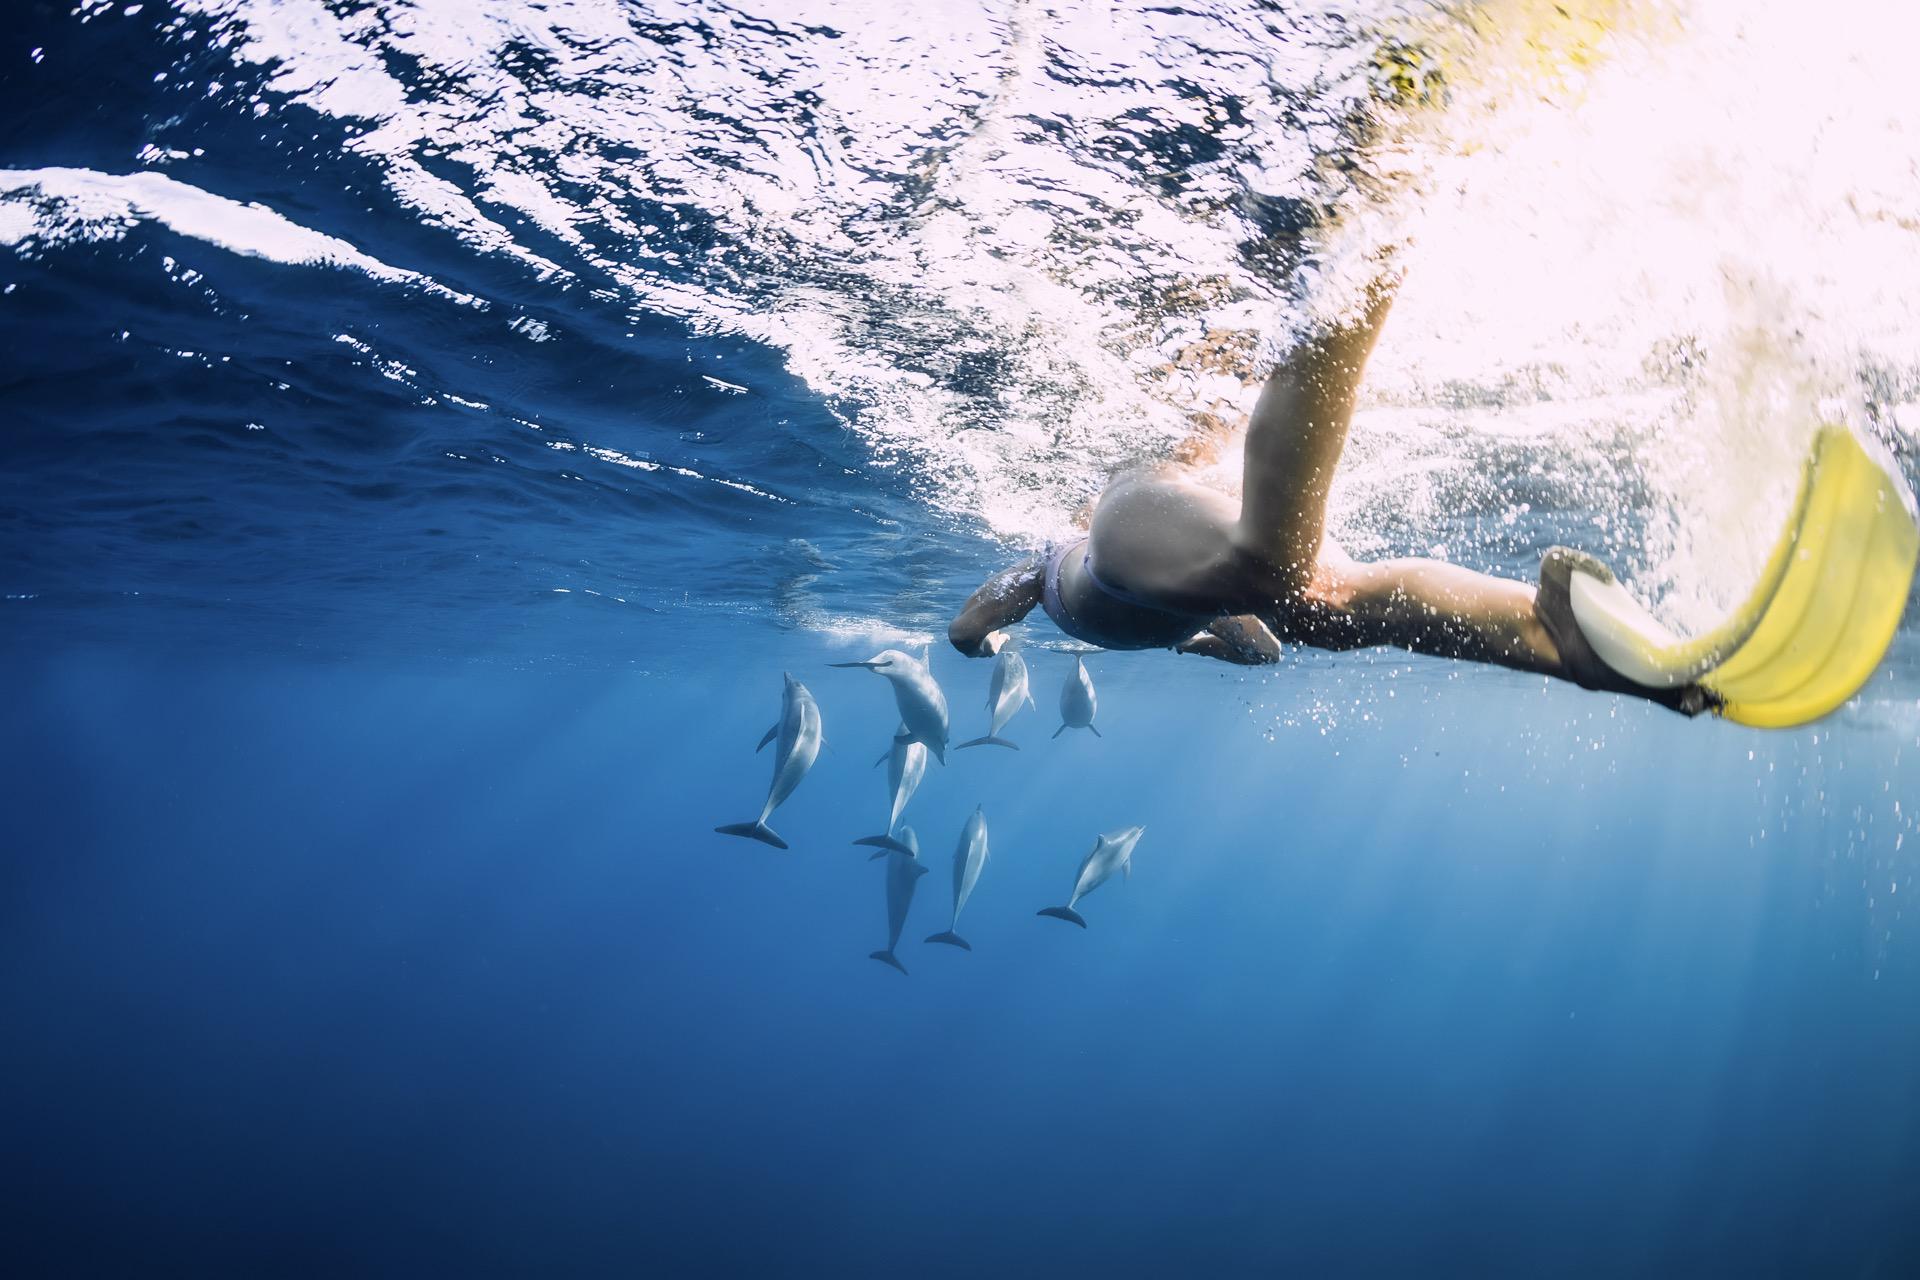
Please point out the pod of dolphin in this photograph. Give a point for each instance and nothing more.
(923, 731)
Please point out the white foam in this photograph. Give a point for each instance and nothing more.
(1673, 232)
(56, 204)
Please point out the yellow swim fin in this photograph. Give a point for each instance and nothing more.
(1817, 623)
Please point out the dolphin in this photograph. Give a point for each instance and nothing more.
(1004, 696)
(906, 763)
(798, 731)
(908, 843)
(1111, 852)
(923, 708)
(1078, 701)
(903, 873)
(969, 858)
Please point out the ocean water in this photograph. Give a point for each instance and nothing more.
(431, 430)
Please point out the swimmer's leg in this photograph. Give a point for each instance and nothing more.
(1295, 437)
(1427, 606)
(1442, 609)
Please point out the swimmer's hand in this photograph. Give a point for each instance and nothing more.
(1245, 641)
(979, 631)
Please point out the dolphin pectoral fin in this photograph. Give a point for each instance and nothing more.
(771, 735)
(754, 831)
(887, 957)
(1093, 730)
(886, 842)
(1063, 913)
(989, 741)
(952, 939)
(883, 758)
(1057, 732)
(1126, 869)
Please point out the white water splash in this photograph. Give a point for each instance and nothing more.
(1651, 244)
(54, 205)
(1709, 213)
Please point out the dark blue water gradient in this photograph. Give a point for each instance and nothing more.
(326, 970)
(208, 455)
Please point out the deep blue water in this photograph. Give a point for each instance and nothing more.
(328, 969)
(360, 908)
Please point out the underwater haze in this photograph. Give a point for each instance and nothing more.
(432, 429)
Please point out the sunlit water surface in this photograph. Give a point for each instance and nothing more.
(431, 429)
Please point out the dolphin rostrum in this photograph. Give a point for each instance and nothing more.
(906, 764)
(798, 733)
(1111, 852)
(923, 708)
(968, 859)
(1078, 701)
(903, 872)
(1004, 696)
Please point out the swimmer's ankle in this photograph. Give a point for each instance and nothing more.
(1553, 607)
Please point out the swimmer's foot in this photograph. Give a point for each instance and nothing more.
(1554, 607)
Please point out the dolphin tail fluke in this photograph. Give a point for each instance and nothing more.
(754, 831)
(1063, 913)
(1057, 732)
(990, 740)
(884, 843)
(952, 939)
(887, 957)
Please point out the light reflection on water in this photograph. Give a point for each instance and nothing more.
(1016, 246)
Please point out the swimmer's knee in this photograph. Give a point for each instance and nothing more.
(1327, 584)
(1330, 606)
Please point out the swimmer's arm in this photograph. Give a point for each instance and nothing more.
(1001, 601)
(1244, 641)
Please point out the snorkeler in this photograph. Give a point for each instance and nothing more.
(1169, 563)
